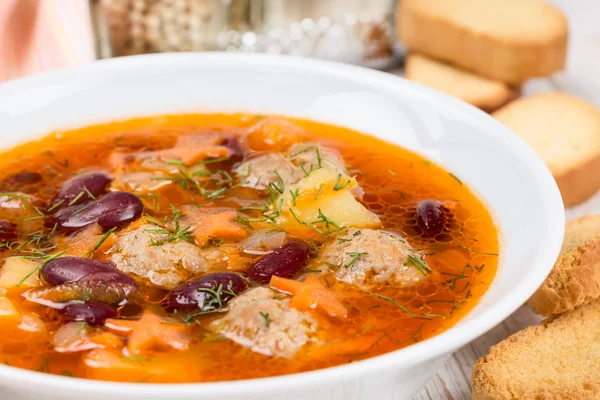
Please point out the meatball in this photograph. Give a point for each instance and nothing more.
(268, 168)
(370, 258)
(265, 324)
(146, 253)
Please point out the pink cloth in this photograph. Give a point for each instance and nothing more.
(38, 35)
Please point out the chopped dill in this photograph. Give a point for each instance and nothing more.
(331, 265)
(266, 318)
(304, 150)
(477, 252)
(420, 263)
(393, 301)
(354, 258)
(80, 210)
(319, 161)
(455, 177)
(319, 191)
(99, 242)
(294, 196)
(338, 186)
(76, 198)
(56, 205)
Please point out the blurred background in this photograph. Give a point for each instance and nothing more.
(37, 35)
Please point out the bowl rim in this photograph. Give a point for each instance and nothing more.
(415, 354)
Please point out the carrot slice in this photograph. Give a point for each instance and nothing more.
(311, 295)
(112, 365)
(191, 149)
(212, 222)
(83, 243)
(151, 332)
(274, 134)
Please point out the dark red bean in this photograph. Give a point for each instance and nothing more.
(284, 262)
(63, 270)
(114, 209)
(92, 313)
(74, 190)
(27, 178)
(191, 295)
(8, 231)
(430, 217)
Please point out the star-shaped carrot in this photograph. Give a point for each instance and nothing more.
(212, 222)
(311, 294)
(151, 332)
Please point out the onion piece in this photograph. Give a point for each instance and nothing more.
(73, 337)
(262, 242)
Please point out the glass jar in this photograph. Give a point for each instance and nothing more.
(353, 31)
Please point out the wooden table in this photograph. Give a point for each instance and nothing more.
(56, 34)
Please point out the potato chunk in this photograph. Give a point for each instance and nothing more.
(323, 202)
(8, 312)
(14, 270)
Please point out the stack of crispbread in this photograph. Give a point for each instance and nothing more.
(560, 358)
(481, 51)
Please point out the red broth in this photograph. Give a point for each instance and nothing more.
(456, 252)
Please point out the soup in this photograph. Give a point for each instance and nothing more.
(197, 248)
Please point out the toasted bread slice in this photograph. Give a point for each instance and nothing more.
(575, 279)
(565, 132)
(558, 359)
(506, 40)
(487, 94)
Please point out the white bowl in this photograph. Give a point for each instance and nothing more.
(495, 163)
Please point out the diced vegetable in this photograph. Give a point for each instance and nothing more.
(211, 222)
(191, 149)
(274, 134)
(78, 336)
(151, 332)
(89, 241)
(14, 270)
(262, 242)
(111, 365)
(8, 312)
(311, 295)
(33, 324)
(323, 202)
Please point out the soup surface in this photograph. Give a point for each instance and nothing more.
(196, 248)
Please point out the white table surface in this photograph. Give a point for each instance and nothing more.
(581, 78)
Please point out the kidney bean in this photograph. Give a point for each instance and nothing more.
(114, 209)
(190, 296)
(63, 270)
(73, 191)
(8, 231)
(284, 262)
(92, 313)
(430, 217)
